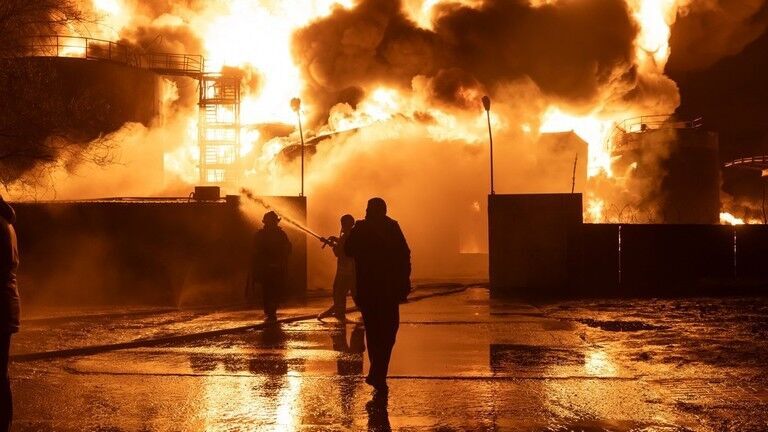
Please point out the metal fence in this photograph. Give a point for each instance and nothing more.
(104, 50)
(80, 47)
(173, 64)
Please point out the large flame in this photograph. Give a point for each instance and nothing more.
(655, 18)
(729, 219)
(257, 35)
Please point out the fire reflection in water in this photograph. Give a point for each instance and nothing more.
(598, 363)
(268, 394)
(587, 394)
(286, 403)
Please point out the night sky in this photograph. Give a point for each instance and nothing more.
(732, 97)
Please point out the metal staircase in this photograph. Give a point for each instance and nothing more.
(219, 94)
(219, 128)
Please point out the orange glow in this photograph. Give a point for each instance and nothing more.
(591, 128)
(257, 36)
(71, 47)
(597, 362)
(595, 210)
(381, 105)
(420, 11)
(727, 218)
(655, 18)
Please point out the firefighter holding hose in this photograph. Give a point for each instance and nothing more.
(271, 249)
(344, 282)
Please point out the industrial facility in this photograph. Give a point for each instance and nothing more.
(665, 171)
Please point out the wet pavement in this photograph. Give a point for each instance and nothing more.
(462, 362)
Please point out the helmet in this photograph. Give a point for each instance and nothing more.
(376, 208)
(348, 219)
(270, 217)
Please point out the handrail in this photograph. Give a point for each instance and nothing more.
(656, 121)
(99, 49)
(80, 47)
(751, 162)
(170, 63)
(627, 131)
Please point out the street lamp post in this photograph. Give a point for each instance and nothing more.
(296, 106)
(487, 106)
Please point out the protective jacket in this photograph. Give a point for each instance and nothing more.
(271, 249)
(382, 261)
(344, 263)
(9, 262)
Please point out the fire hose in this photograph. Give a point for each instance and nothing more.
(326, 241)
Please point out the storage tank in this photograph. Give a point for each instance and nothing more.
(124, 93)
(671, 167)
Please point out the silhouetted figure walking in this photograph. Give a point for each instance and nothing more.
(344, 282)
(271, 249)
(9, 303)
(383, 270)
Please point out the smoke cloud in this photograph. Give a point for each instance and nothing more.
(435, 181)
(708, 30)
(129, 161)
(570, 50)
(578, 55)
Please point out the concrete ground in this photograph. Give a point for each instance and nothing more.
(462, 362)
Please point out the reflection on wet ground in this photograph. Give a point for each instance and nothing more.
(462, 362)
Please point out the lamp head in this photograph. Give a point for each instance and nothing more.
(295, 104)
(487, 103)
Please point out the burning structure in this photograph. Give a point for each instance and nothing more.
(219, 128)
(675, 167)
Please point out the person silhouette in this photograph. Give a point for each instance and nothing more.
(383, 270)
(271, 249)
(344, 282)
(9, 304)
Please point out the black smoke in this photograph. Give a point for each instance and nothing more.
(569, 49)
(707, 31)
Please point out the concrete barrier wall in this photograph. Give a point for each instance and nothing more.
(160, 253)
(658, 259)
(600, 259)
(752, 253)
(534, 243)
(540, 248)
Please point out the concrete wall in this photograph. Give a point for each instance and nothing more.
(679, 259)
(534, 241)
(600, 259)
(160, 253)
(752, 253)
(539, 248)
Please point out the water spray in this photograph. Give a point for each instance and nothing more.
(301, 227)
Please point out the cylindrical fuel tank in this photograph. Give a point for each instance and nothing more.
(121, 92)
(676, 171)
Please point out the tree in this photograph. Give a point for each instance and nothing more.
(22, 19)
(43, 126)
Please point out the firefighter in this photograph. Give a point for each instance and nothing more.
(271, 249)
(9, 303)
(344, 282)
(383, 270)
